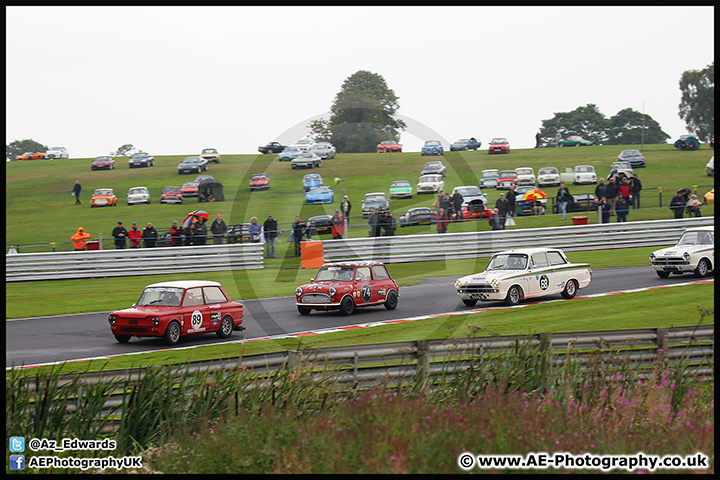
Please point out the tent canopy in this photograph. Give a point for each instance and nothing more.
(210, 188)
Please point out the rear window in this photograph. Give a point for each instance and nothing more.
(379, 273)
(214, 295)
(555, 258)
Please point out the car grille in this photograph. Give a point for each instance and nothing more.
(425, 189)
(315, 298)
(670, 261)
(481, 288)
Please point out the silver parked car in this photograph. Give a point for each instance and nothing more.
(323, 150)
(306, 160)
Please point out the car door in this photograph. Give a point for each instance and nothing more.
(196, 317)
(542, 278)
(363, 291)
(560, 274)
(215, 300)
(381, 283)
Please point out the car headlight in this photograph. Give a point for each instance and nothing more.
(112, 319)
(458, 284)
(495, 282)
(686, 256)
(155, 321)
(652, 257)
(298, 291)
(332, 291)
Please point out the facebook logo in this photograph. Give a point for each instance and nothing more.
(17, 462)
(17, 444)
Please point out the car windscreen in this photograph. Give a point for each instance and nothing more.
(468, 191)
(137, 191)
(342, 274)
(102, 192)
(692, 238)
(547, 171)
(584, 169)
(512, 261)
(161, 296)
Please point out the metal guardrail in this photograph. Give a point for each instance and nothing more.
(131, 262)
(452, 246)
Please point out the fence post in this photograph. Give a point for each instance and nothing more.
(660, 193)
(661, 337)
(423, 363)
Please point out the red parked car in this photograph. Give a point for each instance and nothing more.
(476, 210)
(388, 146)
(259, 181)
(190, 189)
(174, 309)
(506, 179)
(499, 145)
(171, 195)
(346, 286)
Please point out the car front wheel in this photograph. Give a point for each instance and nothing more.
(122, 338)
(347, 306)
(172, 333)
(514, 296)
(702, 268)
(469, 303)
(662, 274)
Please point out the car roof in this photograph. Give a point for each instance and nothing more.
(357, 263)
(708, 228)
(186, 284)
(530, 251)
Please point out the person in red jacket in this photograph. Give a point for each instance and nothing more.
(625, 189)
(135, 235)
(442, 221)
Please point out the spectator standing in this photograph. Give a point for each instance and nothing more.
(79, 239)
(457, 201)
(149, 235)
(345, 208)
(255, 230)
(441, 219)
(135, 235)
(338, 225)
(611, 193)
(375, 223)
(622, 205)
(604, 210)
(503, 207)
(270, 229)
(120, 233)
(495, 220)
(200, 232)
(176, 234)
(76, 192)
(694, 205)
(600, 189)
(624, 189)
(635, 187)
(563, 199)
(677, 204)
(219, 230)
(298, 230)
(389, 225)
(511, 198)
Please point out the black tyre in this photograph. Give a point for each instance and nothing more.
(514, 296)
(226, 327)
(702, 268)
(391, 301)
(172, 333)
(662, 274)
(347, 306)
(304, 311)
(470, 303)
(122, 338)
(570, 289)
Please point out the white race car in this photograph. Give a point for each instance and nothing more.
(513, 275)
(694, 252)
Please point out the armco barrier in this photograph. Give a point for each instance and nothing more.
(453, 246)
(131, 262)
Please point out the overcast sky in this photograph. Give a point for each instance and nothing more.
(174, 80)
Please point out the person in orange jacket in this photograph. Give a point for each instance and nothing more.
(79, 239)
(135, 235)
(338, 224)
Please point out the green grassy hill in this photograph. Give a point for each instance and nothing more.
(40, 210)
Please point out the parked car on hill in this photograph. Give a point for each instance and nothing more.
(372, 201)
(272, 147)
(432, 147)
(465, 144)
(430, 184)
(306, 160)
(548, 177)
(190, 189)
(401, 189)
(582, 202)
(210, 155)
(259, 181)
(388, 146)
(694, 252)
(574, 141)
(584, 174)
(525, 176)
(499, 145)
(192, 164)
(506, 178)
(103, 163)
(620, 167)
(469, 193)
(141, 159)
(319, 195)
(171, 194)
(514, 275)
(57, 152)
(323, 150)
(319, 225)
(436, 167)
(103, 197)
(346, 286)
(312, 180)
(489, 178)
(417, 216)
(138, 195)
(304, 144)
(289, 153)
(30, 156)
(172, 310)
(633, 156)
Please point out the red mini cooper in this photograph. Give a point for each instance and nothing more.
(348, 285)
(174, 309)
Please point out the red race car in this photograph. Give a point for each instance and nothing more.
(388, 146)
(259, 181)
(346, 286)
(476, 210)
(173, 309)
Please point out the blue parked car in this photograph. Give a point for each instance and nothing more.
(312, 180)
(319, 195)
(432, 147)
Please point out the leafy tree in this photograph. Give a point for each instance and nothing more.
(587, 121)
(630, 127)
(362, 114)
(18, 147)
(320, 130)
(697, 104)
